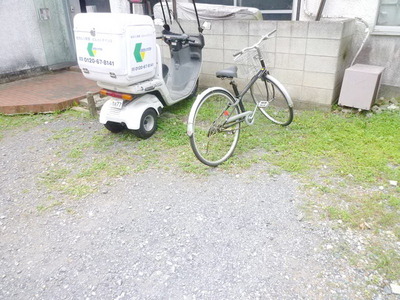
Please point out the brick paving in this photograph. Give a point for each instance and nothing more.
(45, 93)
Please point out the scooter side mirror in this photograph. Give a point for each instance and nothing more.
(206, 25)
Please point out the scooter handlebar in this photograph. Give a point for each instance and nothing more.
(176, 37)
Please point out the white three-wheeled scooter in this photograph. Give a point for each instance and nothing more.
(120, 52)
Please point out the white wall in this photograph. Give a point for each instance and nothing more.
(21, 46)
(307, 57)
(365, 9)
(381, 50)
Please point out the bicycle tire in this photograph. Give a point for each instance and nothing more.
(275, 102)
(212, 141)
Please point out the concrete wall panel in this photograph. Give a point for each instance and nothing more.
(21, 47)
(302, 55)
(380, 49)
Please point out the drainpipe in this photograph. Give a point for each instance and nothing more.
(174, 10)
(320, 9)
(298, 11)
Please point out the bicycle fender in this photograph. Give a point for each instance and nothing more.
(197, 103)
(282, 88)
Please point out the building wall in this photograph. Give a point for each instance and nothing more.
(31, 44)
(309, 58)
(365, 9)
(21, 47)
(380, 49)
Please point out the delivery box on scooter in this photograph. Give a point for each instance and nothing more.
(115, 48)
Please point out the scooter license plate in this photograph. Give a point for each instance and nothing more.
(117, 103)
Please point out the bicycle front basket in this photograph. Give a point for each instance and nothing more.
(248, 63)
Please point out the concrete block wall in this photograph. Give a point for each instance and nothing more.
(309, 58)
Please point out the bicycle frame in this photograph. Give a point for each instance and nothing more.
(214, 128)
(248, 115)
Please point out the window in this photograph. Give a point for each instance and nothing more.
(388, 19)
(95, 5)
(271, 10)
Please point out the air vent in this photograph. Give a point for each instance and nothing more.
(360, 86)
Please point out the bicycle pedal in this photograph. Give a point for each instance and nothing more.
(263, 104)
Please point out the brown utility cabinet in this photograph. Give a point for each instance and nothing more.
(360, 86)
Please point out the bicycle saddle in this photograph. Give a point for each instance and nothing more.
(230, 72)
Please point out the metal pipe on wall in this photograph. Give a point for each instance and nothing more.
(174, 10)
(320, 10)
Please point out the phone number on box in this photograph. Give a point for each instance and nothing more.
(97, 61)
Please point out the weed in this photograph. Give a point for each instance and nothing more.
(8, 123)
(339, 214)
(43, 208)
(386, 261)
(75, 153)
(64, 133)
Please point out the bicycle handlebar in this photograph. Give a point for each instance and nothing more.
(265, 37)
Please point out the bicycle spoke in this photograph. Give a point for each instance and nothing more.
(272, 102)
(214, 138)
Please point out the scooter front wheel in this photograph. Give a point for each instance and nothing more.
(148, 124)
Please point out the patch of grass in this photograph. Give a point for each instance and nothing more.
(78, 189)
(76, 153)
(364, 147)
(101, 142)
(386, 261)
(339, 214)
(64, 133)
(172, 132)
(43, 208)
(359, 150)
(93, 169)
(394, 201)
(181, 109)
(17, 121)
(320, 188)
(375, 209)
(55, 176)
(355, 144)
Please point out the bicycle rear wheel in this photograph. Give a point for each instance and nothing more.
(214, 137)
(272, 101)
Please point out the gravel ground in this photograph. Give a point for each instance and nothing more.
(161, 234)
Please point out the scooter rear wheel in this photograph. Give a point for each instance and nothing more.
(114, 127)
(148, 124)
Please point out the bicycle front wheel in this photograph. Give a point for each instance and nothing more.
(272, 100)
(215, 135)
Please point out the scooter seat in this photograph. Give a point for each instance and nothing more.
(230, 72)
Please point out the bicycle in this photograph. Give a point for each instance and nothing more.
(216, 116)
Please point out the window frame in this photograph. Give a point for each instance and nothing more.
(382, 29)
(292, 11)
